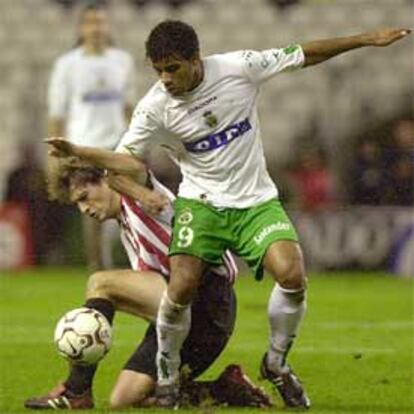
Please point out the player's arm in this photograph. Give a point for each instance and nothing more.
(152, 201)
(121, 163)
(318, 51)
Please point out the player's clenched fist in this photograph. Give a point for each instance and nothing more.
(60, 147)
(151, 201)
(154, 203)
(385, 37)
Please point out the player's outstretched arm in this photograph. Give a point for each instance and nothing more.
(152, 202)
(98, 157)
(321, 50)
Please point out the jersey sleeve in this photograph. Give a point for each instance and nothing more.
(143, 133)
(263, 65)
(59, 90)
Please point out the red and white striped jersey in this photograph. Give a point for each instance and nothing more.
(146, 238)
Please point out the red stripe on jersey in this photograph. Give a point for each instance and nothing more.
(149, 222)
(152, 249)
(145, 266)
(129, 233)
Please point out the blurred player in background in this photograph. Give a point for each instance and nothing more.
(139, 291)
(91, 91)
(204, 112)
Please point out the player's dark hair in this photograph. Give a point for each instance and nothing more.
(69, 176)
(83, 175)
(171, 38)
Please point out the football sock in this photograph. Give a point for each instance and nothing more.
(104, 306)
(81, 376)
(173, 325)
(286, 309)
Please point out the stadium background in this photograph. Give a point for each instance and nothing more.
(317, 121)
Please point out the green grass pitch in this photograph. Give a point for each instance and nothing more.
(354, 352)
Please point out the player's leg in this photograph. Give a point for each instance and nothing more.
(213, 319)
(137, 293)
(210, 329)
(133, 389)
(270, 241)
(287, 305)
(173, 323)
(196, 240)
(136, 383)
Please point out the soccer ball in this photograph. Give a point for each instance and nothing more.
(83, 336)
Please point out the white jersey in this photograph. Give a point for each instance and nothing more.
(213, 132)
(90, 93)
(146, 238)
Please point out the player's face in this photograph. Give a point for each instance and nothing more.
(94, 27)
(179, 75)
(96, 200)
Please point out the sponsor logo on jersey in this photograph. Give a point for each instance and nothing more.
(201, 105)
(279, 226)
(210, 119)
(219, 139)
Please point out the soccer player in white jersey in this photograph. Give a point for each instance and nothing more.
(138, 291)
(91, 92)
(204, 112)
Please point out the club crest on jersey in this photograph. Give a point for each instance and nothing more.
(210, 119)
(186, 217)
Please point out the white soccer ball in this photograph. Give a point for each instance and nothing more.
(83, 336)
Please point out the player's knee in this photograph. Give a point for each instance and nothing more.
(183, 290)
(125, 398)
(119, 401)
(293, 276)
(98, 285)
(185, 278)
(116, 402)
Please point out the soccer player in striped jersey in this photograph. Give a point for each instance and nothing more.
(138, 291)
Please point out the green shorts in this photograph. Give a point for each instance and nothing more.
(207, 232)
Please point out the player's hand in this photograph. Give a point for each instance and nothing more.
(60, 147)
(154, 203)
(385, 37)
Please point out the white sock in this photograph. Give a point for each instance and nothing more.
(173, 325)
(286, 309)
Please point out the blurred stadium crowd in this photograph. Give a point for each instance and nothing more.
(339, 134)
